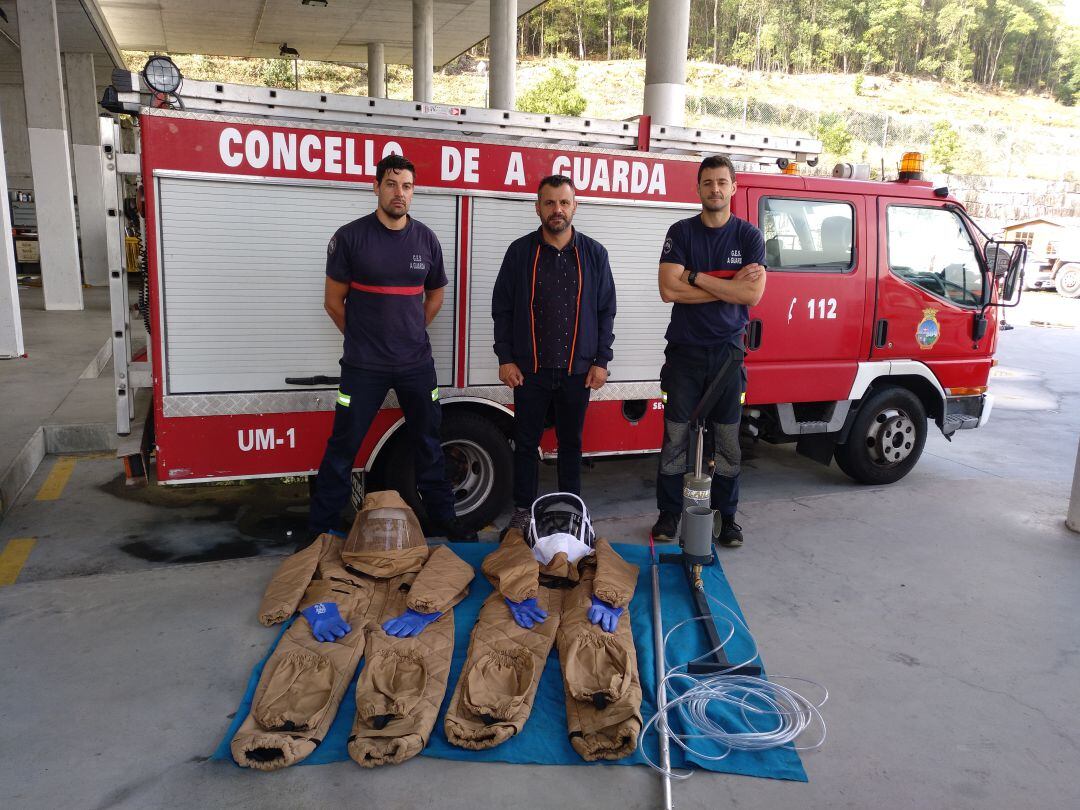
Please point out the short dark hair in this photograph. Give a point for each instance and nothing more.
(716, 162)
(396, 163)
(555, 181)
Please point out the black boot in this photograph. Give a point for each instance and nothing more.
(454, 531)
(726, 531)
(666, 527)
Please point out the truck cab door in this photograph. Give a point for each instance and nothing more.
(811, 322)
(929, 290)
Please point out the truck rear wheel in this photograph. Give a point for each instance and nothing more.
(479, 465)
(1068, 280)
(886, 438)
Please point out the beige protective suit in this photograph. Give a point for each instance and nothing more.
(495, 692)
(404, 680)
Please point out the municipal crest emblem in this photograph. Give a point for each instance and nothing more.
(929, 330)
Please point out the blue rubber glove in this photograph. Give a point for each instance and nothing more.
(409, 623)
(326, 623)
(605, 615)
(527, 613)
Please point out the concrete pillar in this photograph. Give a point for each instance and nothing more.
(665, 61)
(50, 160)
(83, 109)
(1072, 520)
(376, 70)
(11, 335)
(423, 49)
(501, 82)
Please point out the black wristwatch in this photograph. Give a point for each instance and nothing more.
(692, 278)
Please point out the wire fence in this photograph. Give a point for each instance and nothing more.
(880, 139)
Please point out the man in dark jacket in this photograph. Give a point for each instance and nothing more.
(554, 308)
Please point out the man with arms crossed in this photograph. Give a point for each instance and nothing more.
(384, 285)
(711, 267)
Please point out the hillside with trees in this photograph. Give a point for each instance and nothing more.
(1021, 45)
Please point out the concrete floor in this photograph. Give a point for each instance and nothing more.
(941, 613)
(60, 396)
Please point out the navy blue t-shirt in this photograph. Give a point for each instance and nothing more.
(387, 273)
(718, 252)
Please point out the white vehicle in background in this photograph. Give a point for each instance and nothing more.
(1059, 269)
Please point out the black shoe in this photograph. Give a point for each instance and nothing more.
(726, 531)
(519, 520)
(666, 527)
(455, 532)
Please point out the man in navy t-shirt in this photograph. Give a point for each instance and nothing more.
(384, 285)
(712, 268)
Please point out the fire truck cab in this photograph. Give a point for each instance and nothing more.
(878, 315)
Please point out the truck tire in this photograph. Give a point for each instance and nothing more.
(479, 464)
(1068, 280)
(886, 438)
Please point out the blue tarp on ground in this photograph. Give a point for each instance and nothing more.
(544, 739)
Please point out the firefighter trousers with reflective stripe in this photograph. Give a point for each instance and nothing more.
(359, 399)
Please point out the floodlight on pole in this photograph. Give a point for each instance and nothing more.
(294, 54)
(162, 75)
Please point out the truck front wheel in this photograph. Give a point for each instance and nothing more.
(886, 438)
(479, 465)
(1068, 280)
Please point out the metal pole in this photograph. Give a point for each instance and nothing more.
(884, 144)
(423, 27)
(376, 65)
(503, 60)
(1072, 520)
(661, 696)
(11, 331)
(668, 35)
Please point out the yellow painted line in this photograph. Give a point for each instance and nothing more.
(58, 477)
(13, 557)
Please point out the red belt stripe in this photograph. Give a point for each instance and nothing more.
(372, 288)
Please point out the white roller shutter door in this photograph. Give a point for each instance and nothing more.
(243, 266)
(633, 236)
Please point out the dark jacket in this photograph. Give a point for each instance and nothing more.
(515, 337)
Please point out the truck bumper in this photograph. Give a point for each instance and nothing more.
(966, 413)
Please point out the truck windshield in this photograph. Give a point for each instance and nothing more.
(931, 248)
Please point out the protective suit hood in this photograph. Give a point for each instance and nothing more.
(386, 539)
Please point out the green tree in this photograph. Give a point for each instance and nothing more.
(557, 94)
(835, 137)
(277, 73)
(945, 147)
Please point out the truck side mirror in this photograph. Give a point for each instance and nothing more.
(1005, 260)
(997, 259)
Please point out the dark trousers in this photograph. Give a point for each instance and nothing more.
(687, 372)
(359, 398)
(531, 401)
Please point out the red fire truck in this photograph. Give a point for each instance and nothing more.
(878, 316)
